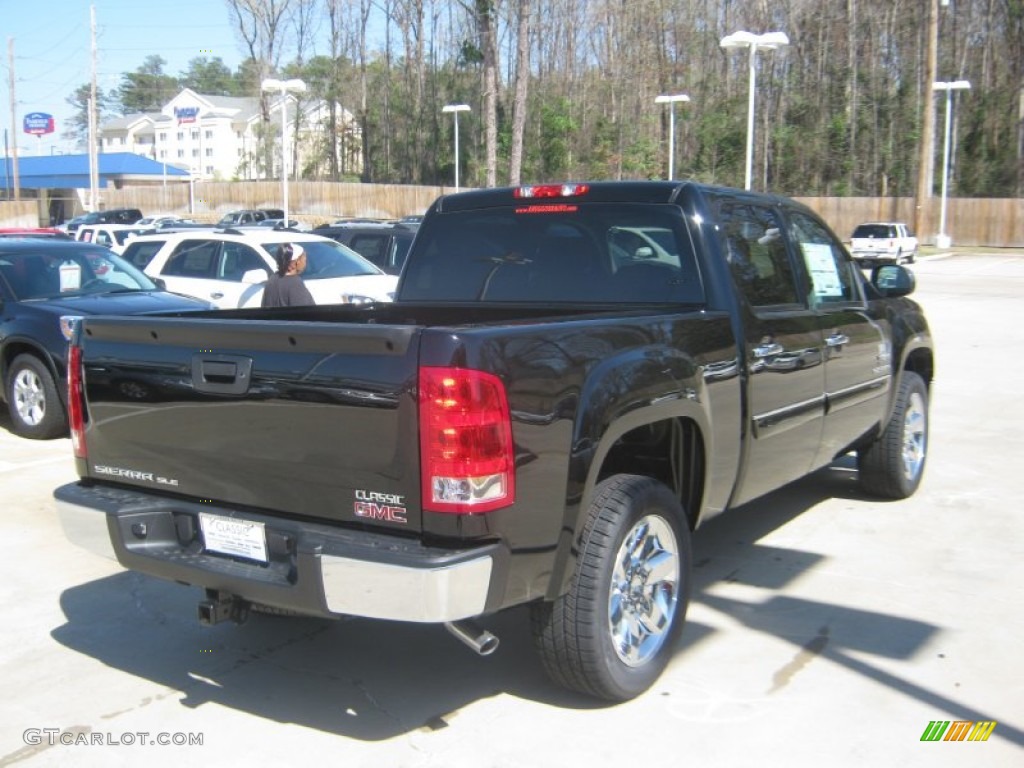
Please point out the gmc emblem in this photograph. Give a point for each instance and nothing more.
(374, 511)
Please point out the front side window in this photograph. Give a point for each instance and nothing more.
(237, 259)
(828, 266)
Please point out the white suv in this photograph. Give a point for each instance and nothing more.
(229, 268)
(112, 236)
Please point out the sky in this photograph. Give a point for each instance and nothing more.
(52, 52)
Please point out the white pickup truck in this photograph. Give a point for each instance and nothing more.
(883, 241)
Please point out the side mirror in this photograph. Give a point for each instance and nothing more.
(254, 277)
(159, 283)
(644, 252)
(892, 280)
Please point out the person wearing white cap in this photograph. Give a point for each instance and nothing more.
(286, 289)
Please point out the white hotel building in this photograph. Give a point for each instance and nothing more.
(216, 136)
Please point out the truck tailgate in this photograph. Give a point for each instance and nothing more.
(312, 419)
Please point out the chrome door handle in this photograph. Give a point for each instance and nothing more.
(217, 295)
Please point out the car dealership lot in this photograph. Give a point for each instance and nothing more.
(825, 627)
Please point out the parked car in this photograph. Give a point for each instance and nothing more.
(883, 241)
(109, 216)
(280, 224)
(230, 267)
(43, 283)
(248, 216)
(158, 221)
(113, 236)
(241, 218)
(384, 244)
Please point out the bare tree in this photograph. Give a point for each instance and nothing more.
(515, 161)
(260, 25)
(485, 16)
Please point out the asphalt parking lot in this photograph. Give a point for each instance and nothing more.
(826, 628)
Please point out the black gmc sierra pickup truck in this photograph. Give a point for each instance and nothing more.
(572, 378)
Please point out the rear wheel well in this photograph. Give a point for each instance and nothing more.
(671, 451)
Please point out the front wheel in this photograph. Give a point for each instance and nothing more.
(613, 633)
(35, 407)
(892, 465)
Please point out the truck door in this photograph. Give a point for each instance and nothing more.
(857, 350)
(782, 344)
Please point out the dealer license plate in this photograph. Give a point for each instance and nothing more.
(231, 536)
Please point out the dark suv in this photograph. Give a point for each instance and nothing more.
(44, 285)
(109, 216)
(385, 244)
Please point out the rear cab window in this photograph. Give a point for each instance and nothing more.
(575, 252)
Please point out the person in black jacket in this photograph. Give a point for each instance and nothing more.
(286, 289)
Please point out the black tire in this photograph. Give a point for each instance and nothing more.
(35, 407)
(912, 257)
(575, 634)
(893, 464)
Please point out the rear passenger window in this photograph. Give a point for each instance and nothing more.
(370, 247)
(193, 258)
(140, 254)
(756, 252)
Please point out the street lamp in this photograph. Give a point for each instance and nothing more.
(671, 101)
(769, 41)
(455, 109)
(284, 87)
(942, 240)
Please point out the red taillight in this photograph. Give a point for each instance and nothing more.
(76, 407)
(551, 190)
(466, 457)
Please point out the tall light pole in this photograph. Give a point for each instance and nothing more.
(942, 240)
(671, 101)
(769, 41)
(455, 109)
(294, 85)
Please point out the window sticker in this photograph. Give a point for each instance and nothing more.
(70, 277)
(823, 269)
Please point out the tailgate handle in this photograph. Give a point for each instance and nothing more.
(221, 374)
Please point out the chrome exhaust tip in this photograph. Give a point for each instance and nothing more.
(473, 635)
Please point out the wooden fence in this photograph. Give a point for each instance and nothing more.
(969, 221)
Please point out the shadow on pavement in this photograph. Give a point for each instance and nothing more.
(373, 680)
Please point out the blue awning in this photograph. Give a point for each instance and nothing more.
(72, 171)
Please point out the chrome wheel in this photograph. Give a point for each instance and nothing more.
(644, 590)
(29, 397)
(915, 436)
